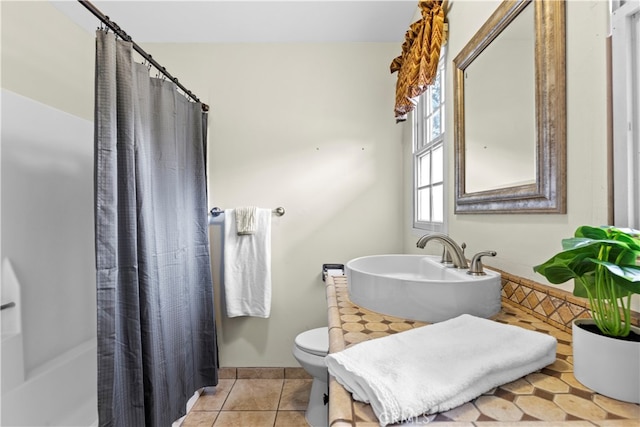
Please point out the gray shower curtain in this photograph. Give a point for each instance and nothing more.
(156, 327)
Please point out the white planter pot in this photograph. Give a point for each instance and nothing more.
(606, 365)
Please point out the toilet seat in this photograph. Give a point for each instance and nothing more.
(314, 341)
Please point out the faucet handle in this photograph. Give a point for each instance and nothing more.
(446, 256)
(476, 268)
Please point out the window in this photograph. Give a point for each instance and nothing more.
(428, 156)
(625, 36)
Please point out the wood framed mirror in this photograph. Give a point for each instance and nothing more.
(510, 112)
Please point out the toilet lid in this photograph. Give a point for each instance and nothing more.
(314, 341)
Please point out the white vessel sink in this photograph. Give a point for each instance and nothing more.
(419, 287)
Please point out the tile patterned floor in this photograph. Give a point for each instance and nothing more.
(255, 402)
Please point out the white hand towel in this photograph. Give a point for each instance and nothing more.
(246, 220)
(438, 367)
(247, 267)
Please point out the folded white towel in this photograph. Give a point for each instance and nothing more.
(246, 220)
(438, 367)
(247, 267)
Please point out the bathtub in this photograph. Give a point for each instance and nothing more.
(61, 392)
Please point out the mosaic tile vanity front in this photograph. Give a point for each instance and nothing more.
(550, 397)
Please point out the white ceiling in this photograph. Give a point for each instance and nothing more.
(239, 21)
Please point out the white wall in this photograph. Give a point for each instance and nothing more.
(46, 57)
(306, 127)
(310, 128)
(522, 240)
(47, 176)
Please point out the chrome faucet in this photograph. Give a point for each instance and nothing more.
(456, 252)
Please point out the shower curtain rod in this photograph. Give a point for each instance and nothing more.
(124, 36)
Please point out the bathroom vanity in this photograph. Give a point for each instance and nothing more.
(550, 397)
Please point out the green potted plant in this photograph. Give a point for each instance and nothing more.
(603, 261)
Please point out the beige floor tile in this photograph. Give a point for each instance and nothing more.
(254, 395)
(570, 379)
(199, 419)
(466, 412)
(212, 400)
(580, 407)
(227, 373)
(548, 383)
(296, 374)
(291, 419)
(560, 366)
(295, 395)
(519, 386)
(363, 412)
(261, 373)
(540, 408)
(498, 409)
(618, 423)
(622, 409)
(245, 419)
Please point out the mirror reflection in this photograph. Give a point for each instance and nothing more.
(499, 87)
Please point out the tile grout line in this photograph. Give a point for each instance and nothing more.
(223, 401)
(278, 405)
(235, 380)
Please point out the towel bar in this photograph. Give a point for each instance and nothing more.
(217, 211)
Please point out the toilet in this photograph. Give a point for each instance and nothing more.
(309, 349)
